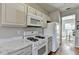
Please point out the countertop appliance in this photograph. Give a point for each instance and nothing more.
(33, 20)
(52, 31)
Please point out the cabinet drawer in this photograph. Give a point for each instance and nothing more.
(22, 51)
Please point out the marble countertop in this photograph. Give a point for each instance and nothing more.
(13, 45)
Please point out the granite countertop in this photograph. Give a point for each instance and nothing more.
(13, 45)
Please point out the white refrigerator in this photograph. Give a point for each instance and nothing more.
(53, 31)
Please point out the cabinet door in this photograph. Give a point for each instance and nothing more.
(20, 14)
(10, 14)
(14, 14)
(38, 13)
(44, 21)
(31, 10)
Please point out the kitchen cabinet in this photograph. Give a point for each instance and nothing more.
(34, 11)
(23, 51)
(39, 13)
(32, 18)
(8, 14)
(31, 10)
(21, 14)
(14, 14)
(44, 21)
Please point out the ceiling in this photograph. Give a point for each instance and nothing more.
(51, 7)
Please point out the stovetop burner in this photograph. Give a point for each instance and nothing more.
(40, 37)
(32, 39)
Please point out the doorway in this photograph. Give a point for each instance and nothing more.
(68, 29)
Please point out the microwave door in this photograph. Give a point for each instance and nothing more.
(33, 21)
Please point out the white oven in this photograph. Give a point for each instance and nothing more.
(33, 20)
(40, 49)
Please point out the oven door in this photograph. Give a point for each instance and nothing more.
(42, 49)
(33, 20)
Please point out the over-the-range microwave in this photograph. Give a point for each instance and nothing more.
(33, 20)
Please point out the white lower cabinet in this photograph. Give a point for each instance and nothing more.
(22, 51)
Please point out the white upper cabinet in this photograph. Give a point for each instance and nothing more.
(14, 14)
(42, 16)
(39, 13)
(21, 14)
(31, 10)
(8, 14)
(44, 21)
(35, 17)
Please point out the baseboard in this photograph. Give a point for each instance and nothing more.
(76, 46)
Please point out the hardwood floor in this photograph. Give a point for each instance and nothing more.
(66, 49)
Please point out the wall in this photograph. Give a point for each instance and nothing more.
(76, 12)
(55, 16)
(9, 32)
